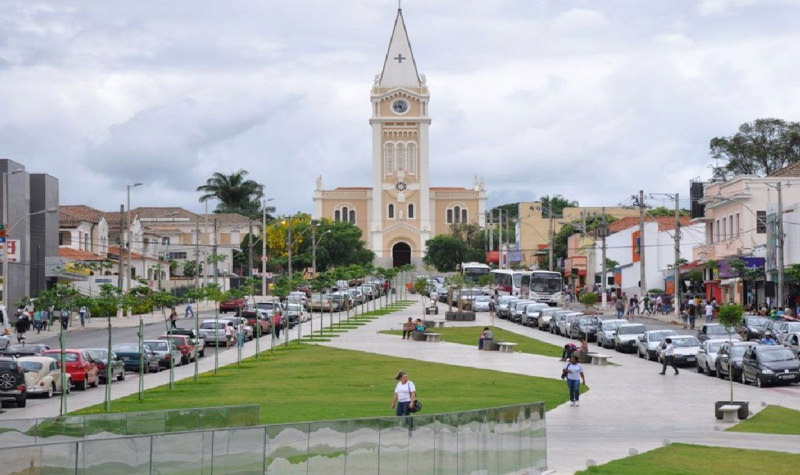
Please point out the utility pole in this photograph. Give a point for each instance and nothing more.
(249, 247)
(550, 237)
(263, 249)
(779, 241)
(197, 253)
(289, 250)
(677, 269)
(500, 237)
(216, 274)
(603, 232)
(642, 281)
(121, 233)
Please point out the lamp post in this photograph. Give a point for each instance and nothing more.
(128, 235)
(314, 243)
(8, 230)
(264, 246)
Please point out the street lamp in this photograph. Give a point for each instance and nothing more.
(264, 247)
(128, 235)
(314, 243)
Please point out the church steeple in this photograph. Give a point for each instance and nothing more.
(399, 67)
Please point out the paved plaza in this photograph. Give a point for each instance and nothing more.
(629, 407)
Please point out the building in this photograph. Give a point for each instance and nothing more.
(401, 210)
(31, 229)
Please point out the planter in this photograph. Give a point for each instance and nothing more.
(460, 316)
(428, 323)
(744, 408)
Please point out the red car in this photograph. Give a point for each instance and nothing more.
(184, 344)
(232, 305)
(80, 367)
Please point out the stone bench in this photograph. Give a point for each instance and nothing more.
(417, 335)
(598, 359)
(506, 346)
(433, 337)
(729, 413)
(439, 323)
(490, 345)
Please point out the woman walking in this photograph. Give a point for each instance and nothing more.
(573, 373)
(405, 393)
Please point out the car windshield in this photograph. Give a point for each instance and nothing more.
(792, 327)
(156, 345)
(131, 348)
(685, 342)
(631, 330)
(482, 298)
(660, 335)
(97, 354)
(294, 307)
(608, 325)
(210, 325)
(717, 329)
(19, 349)
(738, 350)
(756, 321)
(31, 366)
(778, 354)
(69, 357)
(714, 347)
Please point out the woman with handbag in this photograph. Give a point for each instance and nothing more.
(405, 395)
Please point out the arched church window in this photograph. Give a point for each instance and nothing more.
(389, 158)
(411, 211)
(353, 216)
(344, 213)
(337, 215)
(390, 211)
(412, 158)
(457, 213)
(401, 156)
(464, 215)
(449, 216)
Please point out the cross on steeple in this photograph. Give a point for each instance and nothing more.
(400, 58)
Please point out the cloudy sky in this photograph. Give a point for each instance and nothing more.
(591, 100)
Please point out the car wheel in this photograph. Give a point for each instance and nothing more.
(639, 352)
(121, 376)
(22, 401)
(759, 381)
(51, 390)
(743, 378)
(83, 385)
(96, 381)
(709, 370)
(699, 369)
(652, 356)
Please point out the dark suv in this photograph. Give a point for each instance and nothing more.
(12, 381)
(770, 364)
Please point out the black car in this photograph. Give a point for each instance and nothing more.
(100, 357)
(12, 381)
(770, 364)
(715, 331)
(584, 327)
(753, 327)
(131, 356)
(18, 351)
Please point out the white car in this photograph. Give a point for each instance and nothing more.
(605, 331)
(707, 356)
(686, 348)
(42, 375)
(481, 303)
(626, 337)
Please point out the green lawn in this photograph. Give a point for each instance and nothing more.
(469, 336)
(309, 382)
(771, 420)
(684, 459)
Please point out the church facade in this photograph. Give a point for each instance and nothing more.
(401, 210)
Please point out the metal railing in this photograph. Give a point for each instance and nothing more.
(509, 439)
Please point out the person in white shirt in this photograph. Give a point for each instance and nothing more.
(405, 393)
(573, 373)
(669, 356)
(709, 311)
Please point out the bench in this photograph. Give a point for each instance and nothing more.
(598, 359)
(490, 345)
(506, 346)
(417, 335)
(440, 323)
(729, 412)
(433, 337)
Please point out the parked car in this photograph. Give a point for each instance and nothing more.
(166, 353)
(100, 357)
(358, 296)
(270, 306)
(792, 341)
(213, 332)
(466, 296)
(198, 341)
(247, 329)
(715, 331)
(648, 345)
(132, 356)
(184, 345)
(232, 305)
(297, 297)
(707, 356)
(753, 327)
(12, 381)
(729, 359)
(766, 365)
(503, 304)
(295, 314)
(546, 315)
(686, 348)
(343, 300)
(781, 329)
(584, 327)
(259, 318)
(517, 309)
(18, 351)
(532, 313)
(80, 366)
(481, 303)
(605, 331)
(626, 336)
(369, 291)
(42, 375)
(566, 322)
(321, 302)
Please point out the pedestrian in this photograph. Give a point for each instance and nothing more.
(37, 321)
(492, 306)
(408, 327)
(22, 326)
(405, 394)
(709, 311)
(573, 373)
(659, 304)
(486, 336)
(620, 307)
(229, 334)
(633, 306)
(45, 319)
(189, 312)
(569, 349)
(646, 302)
(65, 314)
(277, 322)
(82, 313)
(173, 318)
(668, 356)
(692, 313)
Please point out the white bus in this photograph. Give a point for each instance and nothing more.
(473, 271)
(546, 286)
(511, 282)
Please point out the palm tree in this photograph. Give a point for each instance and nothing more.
(235, 193)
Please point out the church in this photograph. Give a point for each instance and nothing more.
(401, 210)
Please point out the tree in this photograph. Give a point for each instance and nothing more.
(664, 212)
(190, 268)
(558, 203)
(759, 148)
(445, 252)
(730, 316)
(235, 193)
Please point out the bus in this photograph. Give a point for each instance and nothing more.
(546, 286)
(511, 282)
(473, 271)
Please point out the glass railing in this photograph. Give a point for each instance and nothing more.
(16, 432)
(499, 440)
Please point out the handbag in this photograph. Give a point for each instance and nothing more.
(417, 406)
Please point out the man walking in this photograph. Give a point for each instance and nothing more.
(65, 313)
(709, 311)
(82, 313)
(668, 357)
(188, 313)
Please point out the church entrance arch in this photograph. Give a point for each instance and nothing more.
(401, 254)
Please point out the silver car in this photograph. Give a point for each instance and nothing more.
(686, 348)
(165, 352)
(649, 343)
(707, 356)
(605, 331)
(626, 336)
(481, 303)
(213, 332)
(543, 322)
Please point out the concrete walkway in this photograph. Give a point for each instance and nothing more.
(630, 407)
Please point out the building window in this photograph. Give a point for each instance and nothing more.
(388, 159)
(761, 225)
(457, 214)
(352, 216)
(411, 211)
(722, 235)
(401, 157)
(345, 214)
(165, 241)
(736, 227)
(176, 255)
(65, 238)
(390, 211)
(337, 215)
(463, 215)
(412, 159)
(449, 216)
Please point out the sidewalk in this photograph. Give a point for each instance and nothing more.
(629, 406)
